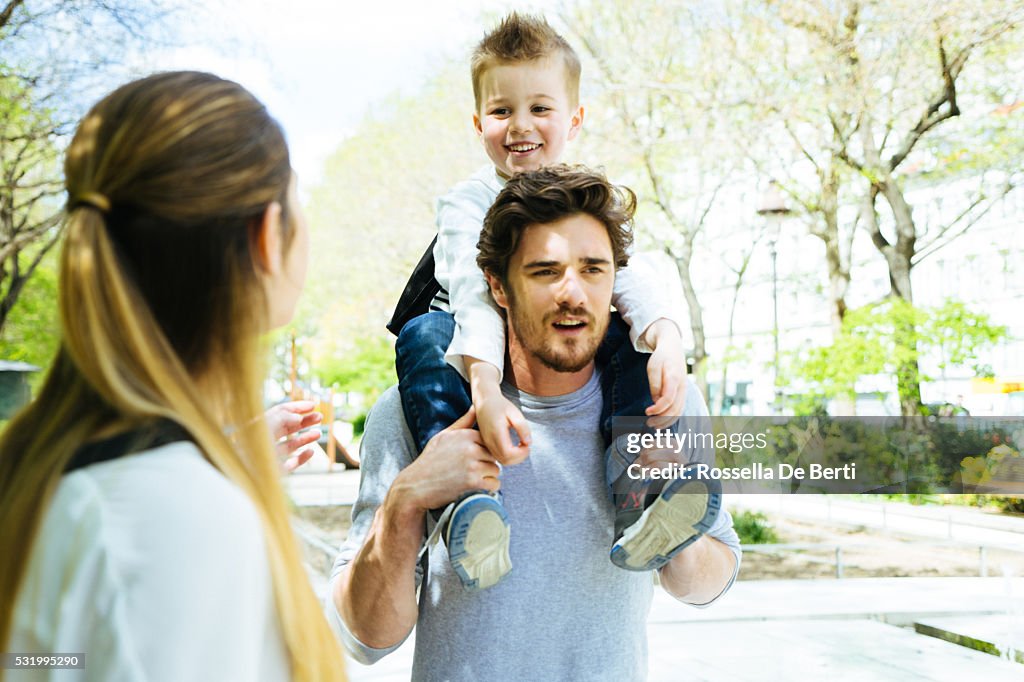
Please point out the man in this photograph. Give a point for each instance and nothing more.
(550, 247)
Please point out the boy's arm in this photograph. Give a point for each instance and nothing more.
(477, 349)
(643, 296)
(479, 326)
(666, 373)
(651, 304)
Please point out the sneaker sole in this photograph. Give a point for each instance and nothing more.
(683, 512)
(478, 542)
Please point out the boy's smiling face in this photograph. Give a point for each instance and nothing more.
(525, 115)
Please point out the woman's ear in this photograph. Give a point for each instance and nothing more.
(497, 290)
(268, 240)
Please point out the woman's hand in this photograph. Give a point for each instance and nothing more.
(287, 422)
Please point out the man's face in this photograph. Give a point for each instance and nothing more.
(558, 292)
(525, 116)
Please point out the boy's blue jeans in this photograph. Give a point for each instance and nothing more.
(434, 395)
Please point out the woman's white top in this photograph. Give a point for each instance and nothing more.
(155, 567)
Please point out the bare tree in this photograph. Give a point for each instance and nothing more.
(842, 102)
(658, 85)
(29, 185)
(739, 272)
(56, 53)
(893, 76)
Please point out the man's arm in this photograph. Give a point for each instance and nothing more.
(707, 568)
(376, 593)
(701, 572)
(374, 590)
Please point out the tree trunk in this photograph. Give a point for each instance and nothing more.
(696, 317)
(18, 279)
(719, 402)
(839, 283)
(899, 256)
(838, 264)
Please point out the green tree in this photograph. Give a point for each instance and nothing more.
(57, 55)
(369, 370)
(30, 213)
(891, 78)
(31, 334)
(372, 216)
(875, 340)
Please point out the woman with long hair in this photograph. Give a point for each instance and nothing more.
(142, 521)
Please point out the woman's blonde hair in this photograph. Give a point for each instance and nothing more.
(161, 307)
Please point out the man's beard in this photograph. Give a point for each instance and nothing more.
(534, 339)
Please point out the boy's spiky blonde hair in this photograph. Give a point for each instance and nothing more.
(523, 38)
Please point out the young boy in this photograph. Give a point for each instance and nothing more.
(526, 89)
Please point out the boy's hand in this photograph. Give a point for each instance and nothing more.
(495, 415)
(666, 373)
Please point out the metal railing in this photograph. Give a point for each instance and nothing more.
(836, 549)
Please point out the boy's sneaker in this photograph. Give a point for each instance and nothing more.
(477, 538)
(655, 520)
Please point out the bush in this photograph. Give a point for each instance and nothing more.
(1013, 505)
(359, 425)
(753, 528)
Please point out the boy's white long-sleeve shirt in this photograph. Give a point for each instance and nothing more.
(640, 295)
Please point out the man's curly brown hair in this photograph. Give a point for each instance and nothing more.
(548, 195)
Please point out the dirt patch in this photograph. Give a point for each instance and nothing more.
(331, 521)
(869, 554)
(864, 554)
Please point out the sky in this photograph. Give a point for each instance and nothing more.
(320, 66)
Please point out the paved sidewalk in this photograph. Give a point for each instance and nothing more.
(319, 488)
(851, 629)
(815, 630)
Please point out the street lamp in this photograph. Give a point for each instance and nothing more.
(772, 206)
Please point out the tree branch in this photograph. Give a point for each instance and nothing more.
(935, 113)
(933, 245)
(871, 221)
(8, 11)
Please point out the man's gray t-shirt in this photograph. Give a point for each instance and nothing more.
(565, 612)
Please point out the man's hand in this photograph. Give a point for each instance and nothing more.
(376, 593)
(666, 373)
(455, 461)
(286, 420)
(495, 416)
